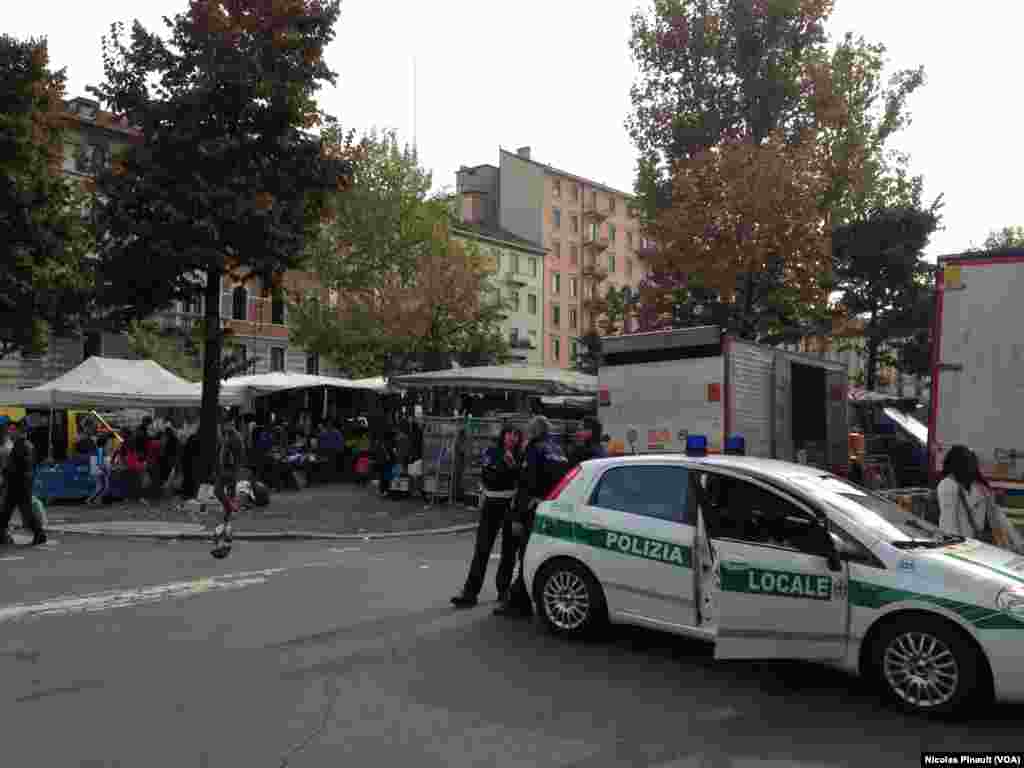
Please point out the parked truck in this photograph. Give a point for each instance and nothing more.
(657, 389)
(978, 367)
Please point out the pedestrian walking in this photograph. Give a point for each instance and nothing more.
(500, 476)
(967, 505)
(100, 468)
(230, 460)
(544, 465)
(18, 476)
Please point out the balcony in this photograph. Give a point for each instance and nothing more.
(258, 317)
(596, 244)
(593, 211)
(513, 278)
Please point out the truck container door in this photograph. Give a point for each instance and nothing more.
(838, 426)
(782, 409)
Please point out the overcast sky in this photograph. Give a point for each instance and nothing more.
(555, 75)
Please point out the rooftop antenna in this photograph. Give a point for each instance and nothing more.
(415, 145)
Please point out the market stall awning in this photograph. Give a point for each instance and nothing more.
(114, 383)
(516, 378)
(268, 383)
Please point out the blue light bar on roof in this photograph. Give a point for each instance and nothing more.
(735, 445)
(697, 445)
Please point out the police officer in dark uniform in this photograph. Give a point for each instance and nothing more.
(544, 465)
(500, 475)
(18, 482)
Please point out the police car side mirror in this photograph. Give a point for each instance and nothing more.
(826, 546)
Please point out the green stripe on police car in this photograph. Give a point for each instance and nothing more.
(624, 543)
(739, 577)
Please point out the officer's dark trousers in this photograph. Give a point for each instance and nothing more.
(492, 519)
(19, 496)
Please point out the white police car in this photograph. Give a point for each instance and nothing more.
(771, 560)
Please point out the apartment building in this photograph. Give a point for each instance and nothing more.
(592, 241)
(516, 268)
(255, 313)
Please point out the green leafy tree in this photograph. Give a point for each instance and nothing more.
(410, 295)
(868, 175)
(1007, 237)
(882, 277)
(45, 278)
(227, 176)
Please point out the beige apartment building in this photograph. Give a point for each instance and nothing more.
(590, 236)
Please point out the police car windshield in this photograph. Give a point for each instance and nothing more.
(883, 517)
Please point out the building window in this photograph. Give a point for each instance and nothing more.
(574, 224)
(239, 303)
(533, 267)
(556, 188)
(611, 263)
(556, 250)
(611, 204)
(277, 358)
(629, 267)
(611, 233)
(277, 308)
(531, 304)
(556, 282)
(574, 255)
(556, 316)
(514, 269)
(573, 287)
(513, 336)
(595, 231)
(516, 304)
(193, 305)
(556, 218)
(332, 298)
(593, 199)
(573, 318)
(590, 290)
(556, 349)
(313, 363)
(629, 239)
(575, 191)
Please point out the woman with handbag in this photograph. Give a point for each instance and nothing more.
(967, 505)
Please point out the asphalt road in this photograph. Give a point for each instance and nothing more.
(144, 654)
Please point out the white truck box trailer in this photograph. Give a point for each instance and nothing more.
(656, 389)
(978, 366)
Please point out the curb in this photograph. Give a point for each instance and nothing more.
(260, 535)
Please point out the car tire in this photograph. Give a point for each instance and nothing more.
(569, 599)
(926, 665)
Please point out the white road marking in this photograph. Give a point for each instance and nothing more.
(105, 601)
(424, 565)
(345, 549)
(16, 557)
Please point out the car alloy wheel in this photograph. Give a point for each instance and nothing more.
(921, 670)
(566, 600)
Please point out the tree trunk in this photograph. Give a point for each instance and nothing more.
(871, 362)
(210, 414)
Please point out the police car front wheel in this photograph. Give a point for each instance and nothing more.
(569, 598)
(926, 665)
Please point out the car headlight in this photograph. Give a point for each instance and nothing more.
(1011, 601)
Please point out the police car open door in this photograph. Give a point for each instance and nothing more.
(772, 596)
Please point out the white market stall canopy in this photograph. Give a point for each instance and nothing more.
(115, 383)
(268, 383)
(517, 378)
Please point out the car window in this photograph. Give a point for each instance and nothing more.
(851, 549)
(651, 491)
(743, 511)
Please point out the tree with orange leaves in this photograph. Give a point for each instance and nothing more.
(45, 280)
(227, 175)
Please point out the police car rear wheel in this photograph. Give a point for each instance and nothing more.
(569, 599)
(926, 666)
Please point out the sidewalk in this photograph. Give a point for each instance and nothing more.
(336, 510)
